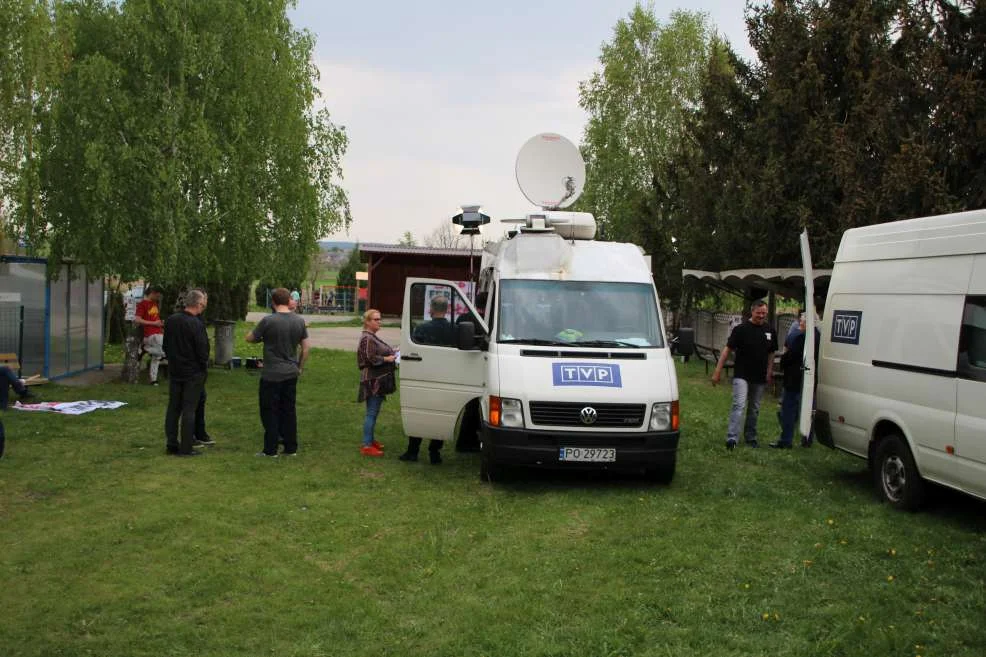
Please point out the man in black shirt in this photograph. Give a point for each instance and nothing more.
(186, 346)
(754, 344)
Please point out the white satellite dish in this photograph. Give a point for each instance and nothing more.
(550, 171)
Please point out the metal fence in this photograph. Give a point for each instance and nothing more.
(712, 329)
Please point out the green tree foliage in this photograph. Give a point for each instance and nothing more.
(650, 81)
(184, 146)
(347, 273)
(30, 68)
(407, 239)
(856, 113)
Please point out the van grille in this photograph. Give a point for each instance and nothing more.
(568, 414)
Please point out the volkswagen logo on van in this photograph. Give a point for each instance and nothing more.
(588, 415)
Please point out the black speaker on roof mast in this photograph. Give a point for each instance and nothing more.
(470, 219)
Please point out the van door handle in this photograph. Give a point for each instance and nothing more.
(412, 357)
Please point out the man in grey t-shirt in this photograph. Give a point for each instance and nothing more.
(281, 332)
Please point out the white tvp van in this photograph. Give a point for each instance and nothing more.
(902, 363)
(564, 365)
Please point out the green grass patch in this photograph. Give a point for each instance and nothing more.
(109, 547)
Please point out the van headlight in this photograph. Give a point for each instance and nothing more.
(664, 416)
(506, 412)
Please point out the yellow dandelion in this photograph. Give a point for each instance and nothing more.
(765, 616)
(890, 578)
(746, 586)
(830, 521)
(777, 616)
(892, 552)
(818, 545)
(843, 542)
(808, 563)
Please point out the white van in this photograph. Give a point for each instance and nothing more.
(565, 365)
(902, 364)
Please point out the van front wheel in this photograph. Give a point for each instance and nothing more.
(896, 475)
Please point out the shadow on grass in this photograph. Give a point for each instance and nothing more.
(532, 480)
(964, 511)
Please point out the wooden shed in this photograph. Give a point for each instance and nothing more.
(389, 266)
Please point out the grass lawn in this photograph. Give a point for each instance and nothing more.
(108, 547)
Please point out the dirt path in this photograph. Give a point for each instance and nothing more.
(347, 337)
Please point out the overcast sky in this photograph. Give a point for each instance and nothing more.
(438, 97)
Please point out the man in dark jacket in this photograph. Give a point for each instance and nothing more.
(792, 364)
(186, 346)
(437, 330)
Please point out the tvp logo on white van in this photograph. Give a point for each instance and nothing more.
(586, 374)
(846, 325)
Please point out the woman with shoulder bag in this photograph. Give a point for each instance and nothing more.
(376, 361)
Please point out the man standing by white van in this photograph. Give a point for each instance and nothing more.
(754, 344)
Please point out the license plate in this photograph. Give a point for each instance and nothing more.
(587, 454)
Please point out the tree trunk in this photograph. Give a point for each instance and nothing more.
(131, 360)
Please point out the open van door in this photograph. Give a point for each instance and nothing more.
(808, 384)
(437, 378)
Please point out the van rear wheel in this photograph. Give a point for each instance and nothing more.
(896, 475)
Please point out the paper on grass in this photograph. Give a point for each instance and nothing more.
(70, 408)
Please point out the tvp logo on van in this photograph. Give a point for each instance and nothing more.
(846, 325)
(586, 374)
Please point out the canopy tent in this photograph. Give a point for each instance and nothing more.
(755, 283)
(752, 284)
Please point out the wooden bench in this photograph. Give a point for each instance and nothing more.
(10, 360)
(711, 356)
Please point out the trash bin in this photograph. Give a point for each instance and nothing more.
(224, 341)
(686, 342)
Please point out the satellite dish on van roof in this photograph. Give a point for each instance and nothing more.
(550, 171)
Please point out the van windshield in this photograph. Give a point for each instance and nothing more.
(578, 313)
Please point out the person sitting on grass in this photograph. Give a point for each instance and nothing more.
(9, 380)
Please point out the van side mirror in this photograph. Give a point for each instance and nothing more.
(465, 336)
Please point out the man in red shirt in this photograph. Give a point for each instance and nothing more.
(148, 316)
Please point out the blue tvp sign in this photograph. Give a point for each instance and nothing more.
(846, 326)
(606, 375)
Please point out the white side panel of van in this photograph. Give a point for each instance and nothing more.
(970, 421)
(970, 437)
(874, 380)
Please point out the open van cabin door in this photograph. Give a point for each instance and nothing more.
(437, 378)
(808, 383)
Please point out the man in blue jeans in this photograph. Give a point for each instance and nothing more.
(282, 332)
(754, 344)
